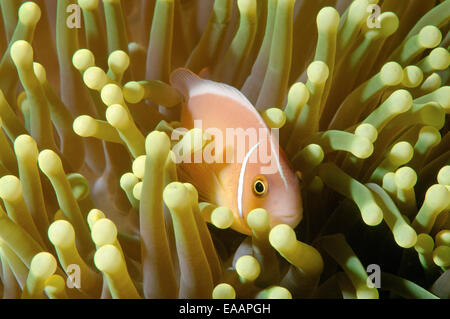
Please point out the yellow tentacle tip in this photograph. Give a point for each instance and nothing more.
(224, 291)
(40, 72)
(316, 185)
(328, 19)
(118, 61)
(222, 217)
(318, 72)
(128, 180)
(275, 292)
(401, 153)
(405, 178)
(117, 116)
(443, 238)
(259, 220)
(49, 162)
(389, 23)
(368, 131)
(88, 4)
(405, 236)
(282, 237)
(21, 53)
(439, 59)
(362, 147)
(83, 59)
(424, 244)
(108, 259)
(85, 126)
(443, 177)
(430, 135)
(176, 196)
(193, 193)
(367, 293)
(437, 197)
(299, 93)
(247, 7)
(112, 94)
(372, 214)
(441, 256)
(133, 92)
(55, 285)
(391, 74)
(430, 36)
(25, 145)
(138, 166)
(104, 232)
(312, 155)
(61, 234)
(43, 265)
(248, 268)
(157, 143)
(94, 215)
(10, 188)
(29, 13)
(412, 76)
(95, 78)
(137, 190)
(80, 186)
(274, 118)
(358, 11)
(400, 101)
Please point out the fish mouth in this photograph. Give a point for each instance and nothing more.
(288, 217)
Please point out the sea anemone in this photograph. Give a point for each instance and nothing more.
(92, 204)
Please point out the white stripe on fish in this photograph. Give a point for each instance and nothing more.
(241, 178)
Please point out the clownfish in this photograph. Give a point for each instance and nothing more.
(260, 177)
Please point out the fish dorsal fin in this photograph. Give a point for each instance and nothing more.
(190, 84)
(184, 80)
(205, 73)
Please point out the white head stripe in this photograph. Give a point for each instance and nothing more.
(241, 178)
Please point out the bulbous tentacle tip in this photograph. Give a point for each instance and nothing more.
(222, 217)
(29, 13)
(49, 162)
(224, 291)
(22, 53)
(89, 5)
(248, 268)
(83, 59)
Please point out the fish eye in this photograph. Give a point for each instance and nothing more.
(260, 187)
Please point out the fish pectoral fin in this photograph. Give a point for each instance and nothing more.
(203, 178)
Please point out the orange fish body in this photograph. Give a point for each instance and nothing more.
(244, 167)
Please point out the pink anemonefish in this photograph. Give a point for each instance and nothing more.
(244, 183)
